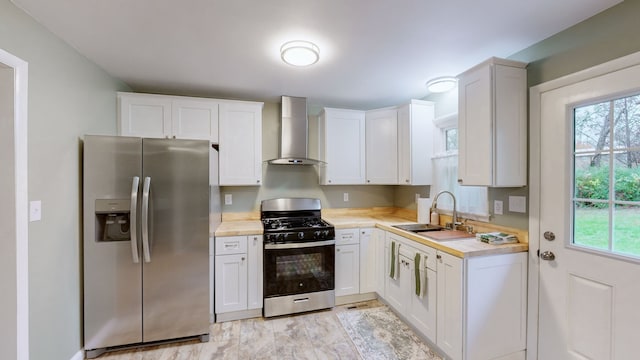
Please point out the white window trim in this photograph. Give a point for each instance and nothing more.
(444, 123)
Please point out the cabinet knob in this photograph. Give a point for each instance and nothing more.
(174, 136)
(329, 181)
(242, 258)
(258, 181)
(439, 257)
(337, 250)
(407, 181)
(460, 181)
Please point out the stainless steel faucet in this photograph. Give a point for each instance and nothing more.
(454, 219)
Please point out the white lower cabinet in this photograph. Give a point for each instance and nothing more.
(368, 268)
(472, 308)
(378, 239)
(422, 300)
(347, 262)
(397, 286)
(238, 276)
(449, 312)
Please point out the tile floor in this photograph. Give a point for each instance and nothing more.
(317, 335)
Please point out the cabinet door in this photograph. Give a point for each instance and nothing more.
(342, 147)
(144, 115)
(422, 309)
(195, 119)
(381, 254)
(394, 292)
(254, 275)
(475, 136)
(449, 309)
(347, 270)
(231, 283)
(496, 307)
(368, 268)
(240, 143)
(415, 143)
(382, 146)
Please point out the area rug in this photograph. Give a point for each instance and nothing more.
(379, 334)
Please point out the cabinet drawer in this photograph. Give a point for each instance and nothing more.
(347, 236)
(231, 245)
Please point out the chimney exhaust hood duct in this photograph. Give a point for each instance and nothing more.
(294, 132)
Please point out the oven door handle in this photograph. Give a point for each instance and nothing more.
(299, 245)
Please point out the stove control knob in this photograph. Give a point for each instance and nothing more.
(325, 234)
(300, 235)
(317, 234)
(279, 237)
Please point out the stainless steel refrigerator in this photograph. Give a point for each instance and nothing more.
(146, 232)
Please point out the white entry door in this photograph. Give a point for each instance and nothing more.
(589, 225)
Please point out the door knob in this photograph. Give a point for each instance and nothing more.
(547, 255)
(549, 235)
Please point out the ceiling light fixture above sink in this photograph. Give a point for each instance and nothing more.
(300, 53)
(441, 84)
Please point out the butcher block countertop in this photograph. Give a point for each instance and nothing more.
(384, 218)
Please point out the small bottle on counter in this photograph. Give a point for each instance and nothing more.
(434, 218)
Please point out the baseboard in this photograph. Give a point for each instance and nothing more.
(78, 356)
(350, 299)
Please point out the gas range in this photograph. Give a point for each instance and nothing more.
(299, 257)
(294, 220)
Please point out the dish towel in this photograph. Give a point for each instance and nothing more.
(416, 268)
(392, 261)
(395, 261)
(421, 275)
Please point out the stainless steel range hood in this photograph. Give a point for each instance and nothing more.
(294, 132)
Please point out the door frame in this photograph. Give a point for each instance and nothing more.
(20, 68)
(535, 103)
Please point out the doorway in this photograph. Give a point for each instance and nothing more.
(14, 280)
(583, 276)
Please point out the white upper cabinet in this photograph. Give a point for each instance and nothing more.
(240, 143)
(162, 116)
(195, 119)
(342, 146)
(415, 143)
(492, 124)
(382, 146)
(144, 115)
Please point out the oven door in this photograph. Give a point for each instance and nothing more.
(298, 268)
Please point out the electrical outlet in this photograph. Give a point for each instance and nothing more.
(417, 197)
(228, 199)
(497, 207)
(345, 197)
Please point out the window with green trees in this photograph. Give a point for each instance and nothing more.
(606, 191)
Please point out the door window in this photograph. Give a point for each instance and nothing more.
(606, 178)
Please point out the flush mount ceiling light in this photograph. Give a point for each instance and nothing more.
(300, 53)
(441, 84)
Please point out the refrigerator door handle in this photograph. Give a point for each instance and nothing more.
(145, 219)
(133, 219)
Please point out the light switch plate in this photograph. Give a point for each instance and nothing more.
(345, 197)
(497, 207)
(35, 210)
(228, 199)
(518, 204)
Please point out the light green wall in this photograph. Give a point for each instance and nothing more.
(68, 97)
(606, 36)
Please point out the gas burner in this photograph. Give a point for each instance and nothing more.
(294, 220)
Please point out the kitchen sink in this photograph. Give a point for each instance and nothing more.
(418, 228)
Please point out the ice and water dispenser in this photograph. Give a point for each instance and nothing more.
(113, 219)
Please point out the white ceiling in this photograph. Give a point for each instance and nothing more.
(373, 53)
